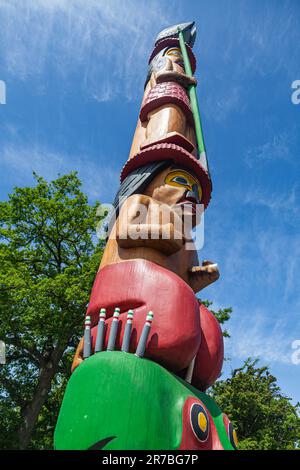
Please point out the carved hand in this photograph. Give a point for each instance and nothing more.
(202, 276)
(146, 223)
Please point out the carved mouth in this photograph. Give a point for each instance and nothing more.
(134, 304)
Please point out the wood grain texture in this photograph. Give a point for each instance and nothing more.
(167, 118)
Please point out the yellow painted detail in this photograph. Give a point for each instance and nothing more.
(235, 438)
(202, 421)
(181, 178)
(174, 51)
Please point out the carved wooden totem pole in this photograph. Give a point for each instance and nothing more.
(150, 349)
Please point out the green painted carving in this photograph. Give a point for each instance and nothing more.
(115, 400)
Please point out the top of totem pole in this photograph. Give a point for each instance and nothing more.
(177, 144)
(188, 30)
(169, 37)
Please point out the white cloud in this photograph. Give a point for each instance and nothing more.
(260, 280)
(259, 334)
(222, 102)
(277, 148)
(21, 161)
(258, 253)
(263, 47)
(245, 43)
(106, 42)
(259, 264)
(284, 203)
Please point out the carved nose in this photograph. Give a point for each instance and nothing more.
(193, 194)
(190, 195)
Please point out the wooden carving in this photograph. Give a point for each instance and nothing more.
(148, 277)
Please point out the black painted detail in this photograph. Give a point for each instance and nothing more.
(100, 444)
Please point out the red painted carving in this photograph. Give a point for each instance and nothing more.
(179, 156)
(189, 440)
(174, 304)
(210, 356)
(173, 42)
(166, 93)
(150, 287)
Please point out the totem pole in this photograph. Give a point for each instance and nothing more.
(150, 350)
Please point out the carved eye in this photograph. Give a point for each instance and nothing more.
(231, 432)
(180, 180)
(174, 51)
(232, 436)
(199, 422)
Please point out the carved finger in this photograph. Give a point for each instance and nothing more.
(127, 332)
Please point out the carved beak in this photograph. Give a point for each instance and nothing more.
(193, 195)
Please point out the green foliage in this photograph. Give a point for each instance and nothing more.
(48, 263)
(263, 417)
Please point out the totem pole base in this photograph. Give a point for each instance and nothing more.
(117, 401)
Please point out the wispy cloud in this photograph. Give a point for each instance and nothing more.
(261, 335)
(249, 41)
(21, 161)
(279, 264)
(271, 47)
(255, 240)
(262, 48)
(282, 203)
(258, 264)
(222, 102)
(260, 280)
(81, 37)
(275, 149)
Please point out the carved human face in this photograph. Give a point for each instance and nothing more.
(175, 55)
(176, 187)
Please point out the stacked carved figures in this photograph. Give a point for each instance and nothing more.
(143, 384)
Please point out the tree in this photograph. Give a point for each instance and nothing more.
(263, 417)
(48, 259)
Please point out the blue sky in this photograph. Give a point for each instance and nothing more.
(74, 74)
